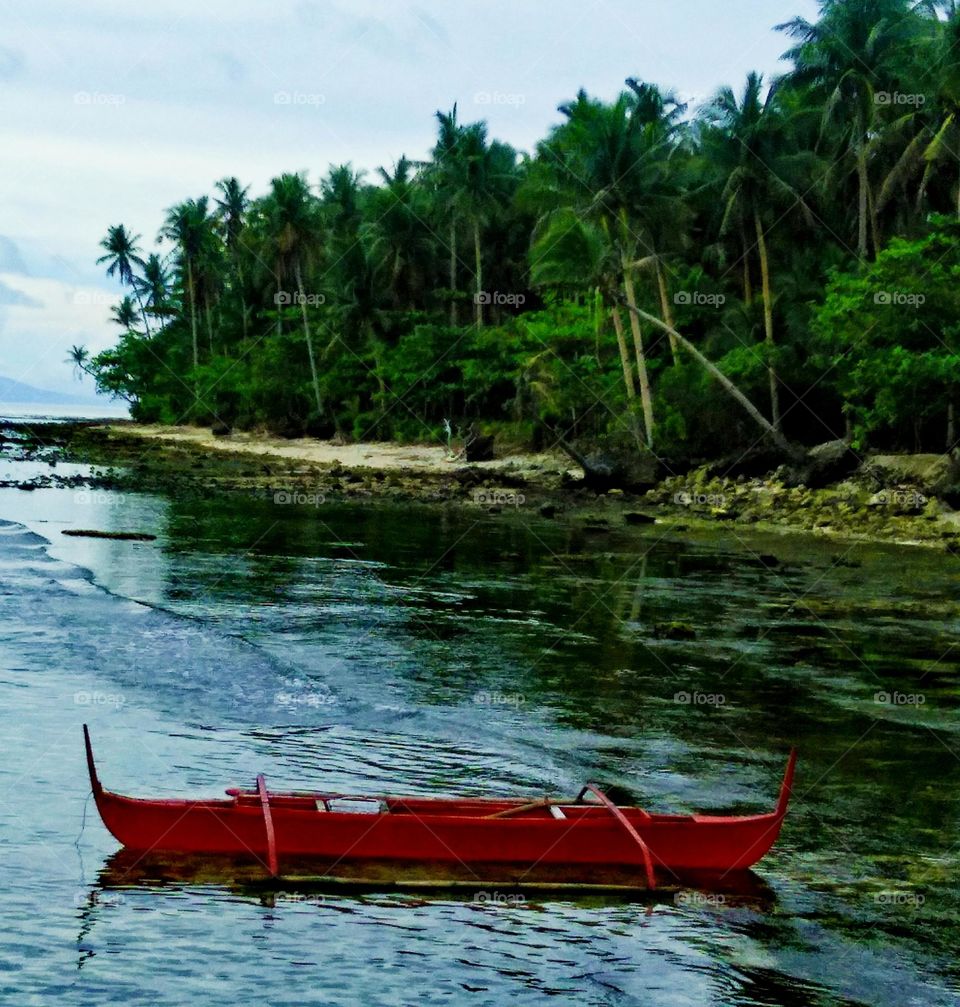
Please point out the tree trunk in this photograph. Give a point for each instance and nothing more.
(863, 205)
(206, 312)
(478, 261)
(243, 303)
(645, 397)
(624, 353)
(768, 321)
(193, 314)
(143, 313)
(747, 284)
(666, 310)
(728, 386)
(453, 273)
(309, 339)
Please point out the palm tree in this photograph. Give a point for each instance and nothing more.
(232, 205)
(486, 174)
(122, 255)
(446, 173)
(610, 165)
(125, 314)
(189, 226)
(294, 230)
(848, 60)
(744, 142)
(399, 237)
(945, 64)
(154, 285)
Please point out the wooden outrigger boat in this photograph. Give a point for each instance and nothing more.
(577, 834)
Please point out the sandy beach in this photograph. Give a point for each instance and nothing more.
(378, 456)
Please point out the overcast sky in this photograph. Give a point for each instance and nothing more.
(114, 111)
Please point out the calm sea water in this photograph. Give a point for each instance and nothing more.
(412, 649)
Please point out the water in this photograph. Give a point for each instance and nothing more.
(414, 649)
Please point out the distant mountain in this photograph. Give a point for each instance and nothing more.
(16, 391)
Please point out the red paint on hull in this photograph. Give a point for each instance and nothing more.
(440, 830)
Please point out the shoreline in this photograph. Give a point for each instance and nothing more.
(191, 460)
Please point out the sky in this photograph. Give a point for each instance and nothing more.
(114, 111)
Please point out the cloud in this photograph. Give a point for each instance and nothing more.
(46, 319)
(12, 63)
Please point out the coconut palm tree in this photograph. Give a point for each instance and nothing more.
(745, 143)
(849, 59)
(153, 286)
(122, 256)
(446, 176)
(190, 227)
(125, 313)
(294, 230)
(232, 206)
(400, 239)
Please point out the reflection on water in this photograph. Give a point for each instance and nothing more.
(415, 650)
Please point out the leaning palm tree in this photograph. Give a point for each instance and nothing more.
(295, 232)
(122, 255)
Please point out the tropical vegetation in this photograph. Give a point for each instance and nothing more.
(778, 265)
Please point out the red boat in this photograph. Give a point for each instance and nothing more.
(577, 834)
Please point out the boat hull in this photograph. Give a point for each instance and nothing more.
(677, 844)
(274, 828)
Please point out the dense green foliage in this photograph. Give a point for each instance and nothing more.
(779, 262)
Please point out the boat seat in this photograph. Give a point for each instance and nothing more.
(557, 812)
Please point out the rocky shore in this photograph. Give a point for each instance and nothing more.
(906, 499)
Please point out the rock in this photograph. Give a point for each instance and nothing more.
(638, 517)
(674, 631)
(933, 475)
(825, 464)
(478, 447)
